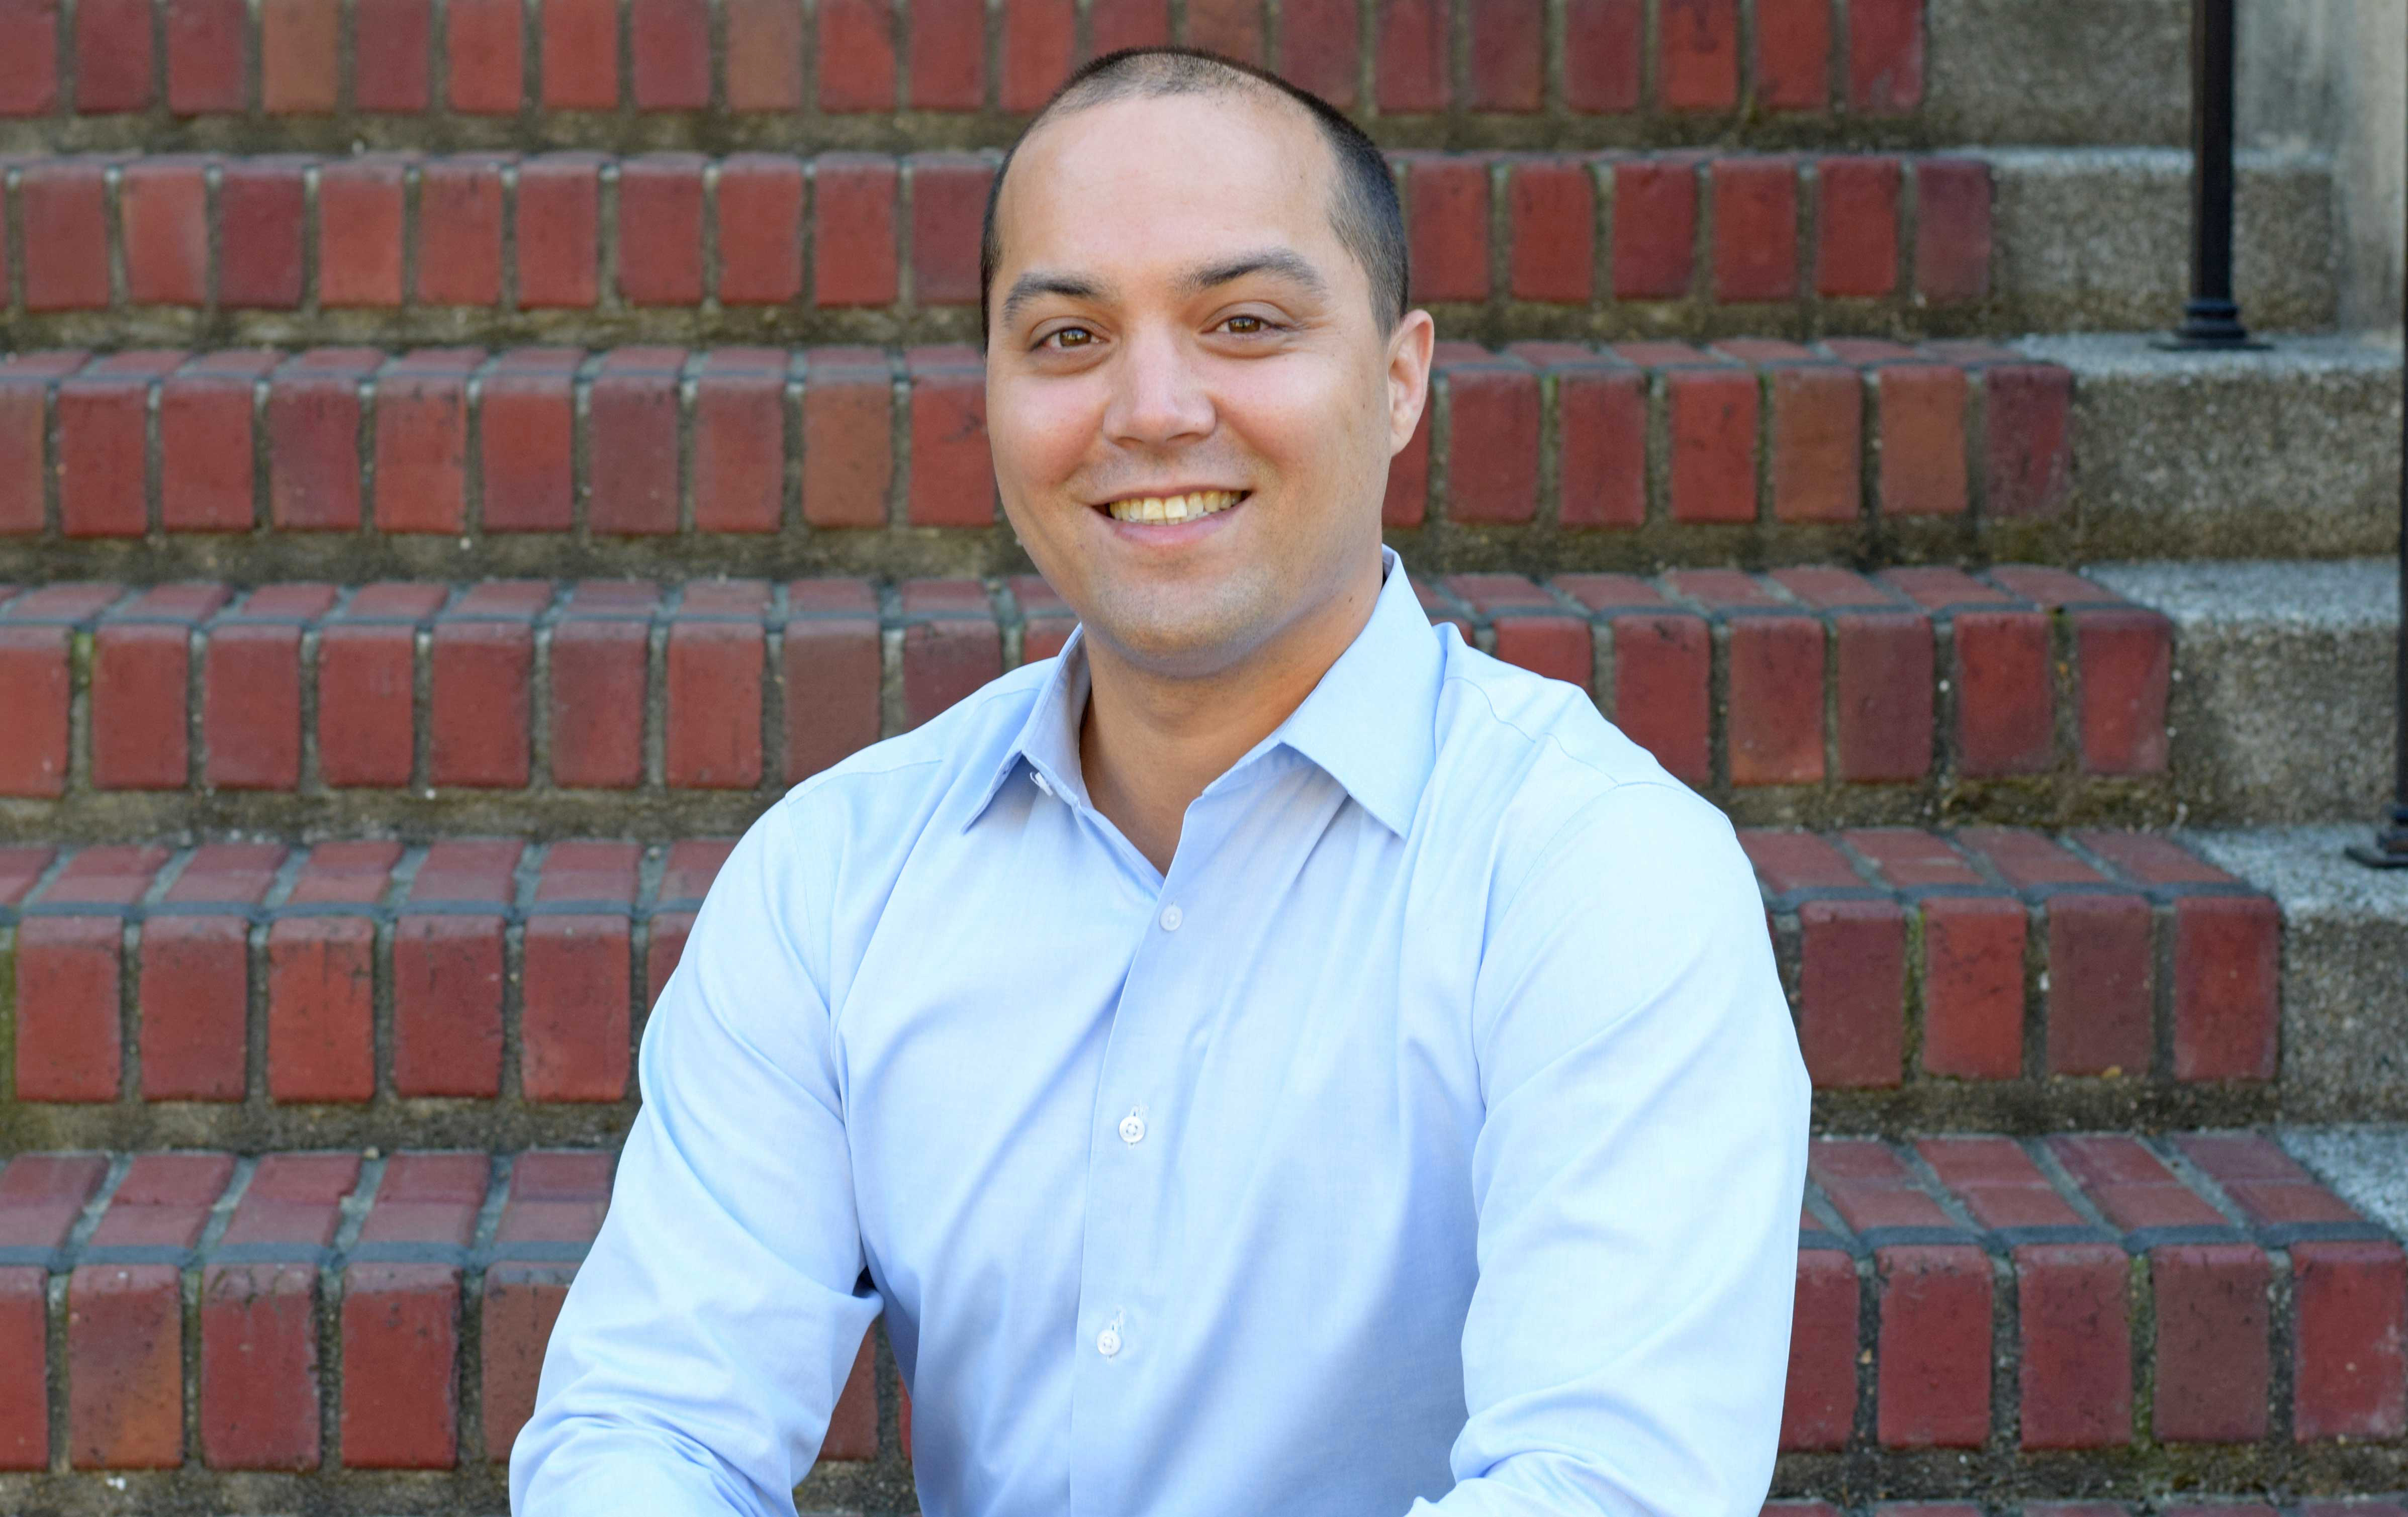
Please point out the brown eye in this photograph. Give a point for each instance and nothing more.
(1072, 336)
(1245, 326)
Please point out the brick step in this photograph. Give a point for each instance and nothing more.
(677, 247)
(353, 463)
(1817, 694)
(865, 73)
(1977, 1318)
(490, 991)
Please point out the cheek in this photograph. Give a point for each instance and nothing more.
(1311, 422)
(1039, 432)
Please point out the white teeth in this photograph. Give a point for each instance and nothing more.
(1168, 508)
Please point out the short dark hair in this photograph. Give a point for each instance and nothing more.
(1369, 221)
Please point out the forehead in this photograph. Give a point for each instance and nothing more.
(1169, 180)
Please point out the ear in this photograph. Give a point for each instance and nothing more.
(1409, 367)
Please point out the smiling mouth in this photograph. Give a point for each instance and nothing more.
(1168, 508)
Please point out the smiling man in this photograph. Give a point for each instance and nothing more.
(1271, 1058)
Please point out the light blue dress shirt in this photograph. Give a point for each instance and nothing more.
(1430, 1138)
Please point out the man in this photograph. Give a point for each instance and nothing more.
(1273, 1058)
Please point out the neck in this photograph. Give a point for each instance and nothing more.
(1150, 742)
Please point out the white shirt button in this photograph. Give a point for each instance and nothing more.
(1108, 1342)
(1132, 1128)
(1042, 782)
(1171, 918)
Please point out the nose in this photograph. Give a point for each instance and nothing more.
(1158, 396)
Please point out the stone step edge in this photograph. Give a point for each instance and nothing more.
(2195, 1288)
(1992, 958)
(1937, 677)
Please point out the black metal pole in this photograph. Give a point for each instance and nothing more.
(2211, 319)
(2390, 850)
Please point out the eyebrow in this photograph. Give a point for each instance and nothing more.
(1281, 261)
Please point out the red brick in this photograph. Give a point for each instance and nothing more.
(1934, 1348)
(1553, 206)
(34, 686)
(948, 54)
(401, 1351)
(299, 56)
(1952, 240)
(2228, 957)
(715, 671)
(1040, 45)
(23, 399)
(195, 992)
(1714, 426)
(2029, 470)
(164, 203)
(1661, 700)
(1819, 1411)
(1406, 498)
(852, 230)
(29, 57)
(832, 675)
(103, 442)
(460, 231)
(1921, 421)
(739, 441)
(599, 682)
(478, 713)
(205, 475)
(1756, 228)
(25, 1313)
(521, 1303)
(1446, 225)
(1817, 443)
(259, 1366)
(560, 231)
(1508, 54)
(580, 55)
(1113, 25)
(125, 1367)
(2126, 659)
(2211, 1355)
(1852, 988)
(320, 1011)
(848, 456)
(1231, 27)
(760, 204)
(1410, 48)
(953, 475)
(360, 231)
(1697, 56)
(364, 680)
(399, 35)
(2348, 1354)
(484, 44)
(1554, 646)
(1492, 441)
(447, 973)
(1320, 48)
(112, 56)
(853, 1428)
(1600, 446)
(2006, 702)
(1885, 56)
(1602, 48)
(2100, 985)
(421, 450)
(1655, 227)
(1855, 250)
(632, 435)
(1885, 671)
(660, 229)
(579, 975)
(67, 1040)
(670, 43)
(1972, 986)
(251, 698)
(2076, 1364)
(765, 49)
(1793, 54)
(259, 232)
(62, 206)
(948, 203)
(526, 428)
(857, 55)
(139, 681)
(956, 650)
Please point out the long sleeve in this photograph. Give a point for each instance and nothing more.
(1637, 1177)
(702, 1348)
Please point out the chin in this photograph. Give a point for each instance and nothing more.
(1187, 632)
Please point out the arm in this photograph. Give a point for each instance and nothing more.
(701, 1350)
(1637, 1177)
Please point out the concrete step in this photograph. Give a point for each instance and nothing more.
(311, 76)
(674, 246)
(1978, 1320)
(1813, 695)
(485, 990)
(2284, 684)
(352, 464)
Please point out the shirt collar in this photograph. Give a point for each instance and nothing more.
(1369, 725)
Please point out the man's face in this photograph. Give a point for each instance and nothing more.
(1176, 325)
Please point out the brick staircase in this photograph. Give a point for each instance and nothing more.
(460, 460)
